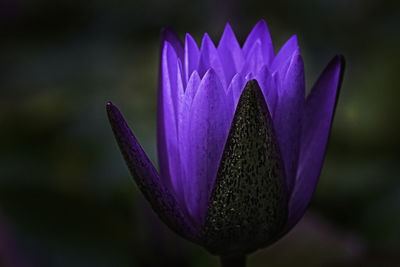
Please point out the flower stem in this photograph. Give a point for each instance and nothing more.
(233, 261)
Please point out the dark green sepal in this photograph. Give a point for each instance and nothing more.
(248, 204)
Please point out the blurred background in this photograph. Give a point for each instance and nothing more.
(66, 197)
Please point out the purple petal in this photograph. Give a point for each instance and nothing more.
(168, 35)
(207, 135)
(170, 70)
(176, 168)
(317, 121)
(269, 89)
(260, 32)
(170, 172)
(209, 59)
(254, 60)
(191, 56)
(147, 179)
(285, 53)
(234, 91)
(249, 76)
(185, 105)
(230, 53)
(183, 127)
(287, 117)
(193, 85)
(181, 83)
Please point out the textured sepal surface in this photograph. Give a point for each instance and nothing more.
(147, 179)
(248, 204)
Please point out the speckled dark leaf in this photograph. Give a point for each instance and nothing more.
(248, 205)
(147, 178)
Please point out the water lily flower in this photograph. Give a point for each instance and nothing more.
(240, 147)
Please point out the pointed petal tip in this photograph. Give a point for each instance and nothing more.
(211, 76)
(262, 22)
(206, 44)
(227, 33)
(114, 115)
(166, 45)
(195, 73)
(337, 63)
(294, 39)
(206, 39)
(110, 107)
(338, 59)
(169, 35)
(210, 73)
(109, 104)
(188, 36)
(228, 27)
(260, 31)
(260, 27)
(342, 63)
(169, 50)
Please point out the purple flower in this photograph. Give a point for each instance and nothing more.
(240, 146)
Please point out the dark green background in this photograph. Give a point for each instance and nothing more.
(66, 197)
